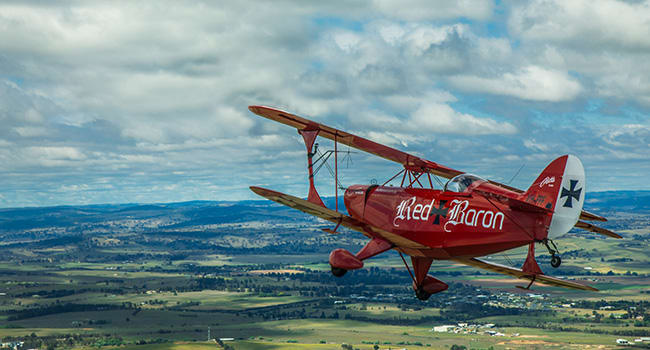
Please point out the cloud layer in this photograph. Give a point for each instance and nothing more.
(146, 101)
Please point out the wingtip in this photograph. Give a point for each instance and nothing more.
(611, 234)
(256, 190)
(263, 192)
(589, 288)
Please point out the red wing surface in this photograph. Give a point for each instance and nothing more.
(358, 142)
(507, 270)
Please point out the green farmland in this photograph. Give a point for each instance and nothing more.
(173, 288)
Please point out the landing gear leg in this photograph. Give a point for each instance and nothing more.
(424, 285)
(556, 260)
(420, 269)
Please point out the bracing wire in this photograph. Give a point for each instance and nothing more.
(517, 173)
(438, 181)
(329, 168)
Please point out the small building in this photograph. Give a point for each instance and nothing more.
(443, 329)
(13, 344)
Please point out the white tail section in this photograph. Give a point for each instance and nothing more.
(570, 199)
(560, 188)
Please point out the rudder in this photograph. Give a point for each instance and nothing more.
(560, 188)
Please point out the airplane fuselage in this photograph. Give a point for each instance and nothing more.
(450, 224)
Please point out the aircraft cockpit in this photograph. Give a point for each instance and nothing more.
(462, 182)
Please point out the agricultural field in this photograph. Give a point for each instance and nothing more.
(99, 280)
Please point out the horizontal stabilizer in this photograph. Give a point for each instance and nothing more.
(593, 228)
(518, 273)
(585, 215)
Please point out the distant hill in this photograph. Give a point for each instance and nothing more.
(197, 213)
(621, 201)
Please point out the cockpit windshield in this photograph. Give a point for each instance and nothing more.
(460, 183)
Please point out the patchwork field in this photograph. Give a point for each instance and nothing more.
(127, 287)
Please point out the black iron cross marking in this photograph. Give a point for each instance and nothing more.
(570, 194)
(438, 212)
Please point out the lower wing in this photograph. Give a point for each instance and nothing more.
(337, 218)
(401, 243)
(507, 270)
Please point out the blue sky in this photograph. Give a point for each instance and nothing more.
(121, 101)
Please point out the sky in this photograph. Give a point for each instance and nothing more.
(146, 101)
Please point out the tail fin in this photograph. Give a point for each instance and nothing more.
(561, 188)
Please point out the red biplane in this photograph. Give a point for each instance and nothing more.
(468, 218)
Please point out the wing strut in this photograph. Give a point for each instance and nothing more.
(309, 136)
(336, 172)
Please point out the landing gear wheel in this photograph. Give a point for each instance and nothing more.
(422, 294)
(338, 272)
(556, 261)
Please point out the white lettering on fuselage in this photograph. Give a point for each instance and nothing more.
(406, 210)
(547, 181)
(460, 214)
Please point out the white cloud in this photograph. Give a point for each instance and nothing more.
(441, 118)
(635, 136)
(585, 23)
(625, 82)
(421, 38)
(52, 156)
(347, 41)
(160, 89)
(33, 116)
(30, 131)
(532, 144)
(604, 41)
(530, 83)
(424, 10)
(494, 49)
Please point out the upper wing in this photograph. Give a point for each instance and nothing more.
(507, 270)
(358, 142)
(407, 160)
(336, 217)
